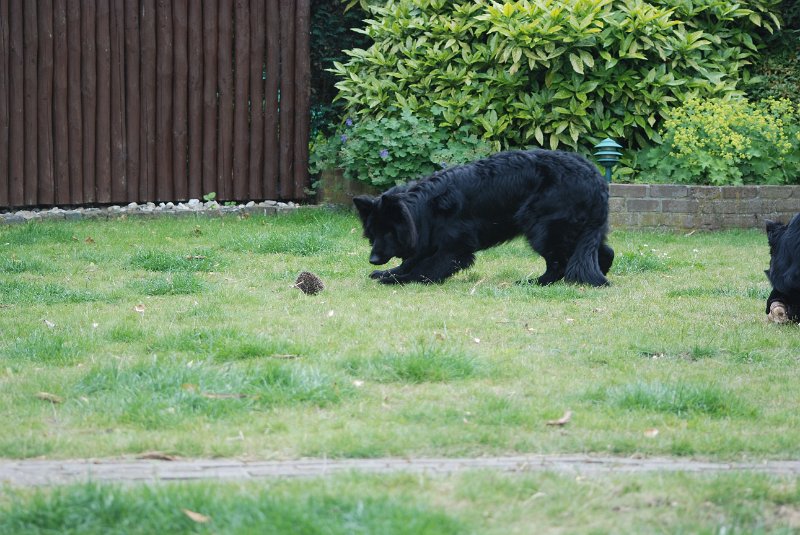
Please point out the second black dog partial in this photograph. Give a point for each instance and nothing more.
(783, 304)
(557, 200)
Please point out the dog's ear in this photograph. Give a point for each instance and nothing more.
(774, 232)
(365, 206)
(398, 211)
(771, 225)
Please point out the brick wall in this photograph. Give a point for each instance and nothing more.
(700, 207)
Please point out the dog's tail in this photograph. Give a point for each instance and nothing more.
(583, 266)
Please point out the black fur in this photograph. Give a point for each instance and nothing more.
(557, 200)
(784, 265)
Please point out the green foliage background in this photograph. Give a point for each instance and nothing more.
(551, 73)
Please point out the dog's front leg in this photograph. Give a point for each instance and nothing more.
(391, 274)
(434, 268)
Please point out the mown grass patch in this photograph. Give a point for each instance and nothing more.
(477, 501)
(94, 508)
(177, 283)
(24, 292)
(38, 233)
(223, 345)
(14, 265)
(168, 261)
(750, 292)
(166, 393)
(46, 346)
(681, 399)
(421, 364)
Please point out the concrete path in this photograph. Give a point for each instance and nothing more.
(47, 472)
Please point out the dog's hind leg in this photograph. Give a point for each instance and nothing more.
(545, 239)
(583, 266)
(605, 257)
(434, 268)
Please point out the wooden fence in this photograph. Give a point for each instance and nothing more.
(113, 101)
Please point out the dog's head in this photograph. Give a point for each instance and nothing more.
(388, 225)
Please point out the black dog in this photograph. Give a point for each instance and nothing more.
(783, 304)
(557, 200)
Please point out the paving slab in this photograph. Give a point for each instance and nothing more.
(60, 472)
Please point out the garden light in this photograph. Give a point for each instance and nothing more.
(607, 154)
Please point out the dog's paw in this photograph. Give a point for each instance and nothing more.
(378, 274)
(777, 313)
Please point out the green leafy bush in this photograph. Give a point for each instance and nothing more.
(550, 72)
(391, 150)
(778, 70)
(726, 142)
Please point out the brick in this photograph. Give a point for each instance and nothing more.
(616, 204)
(628, 190)
(740, 192)
(668, 191)
(787, 205)
(705, 192)
(623, 220)
(643, 205)
(683, 206)
(778, 192)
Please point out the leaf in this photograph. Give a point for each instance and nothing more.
(49, 323)
(52, 398)
(564, 420)
(577, 63)
(212, 395)
(651, 433)
(197, 517)
(139, 308)
(156, 456)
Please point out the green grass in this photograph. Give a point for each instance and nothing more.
(186, 336)
(476, 502)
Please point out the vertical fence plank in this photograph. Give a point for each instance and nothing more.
(119, 143)
(271, 87)
(103, 147)
(121, 100)
(180, 96)
(132, 99)
(31, 51)
(74, 115)
(60, 103)
(195, 111)
(225, 138)
(4, 115)
(302, 96)
(16, 119)
(286, 105)
(89, 101)
(257, 36)
(210, 38)
(44, 80)
(164, 100)
(147, 137)
(241, 100)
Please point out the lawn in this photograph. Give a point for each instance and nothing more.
(187, 337)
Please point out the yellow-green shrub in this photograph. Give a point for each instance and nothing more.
(722, 142)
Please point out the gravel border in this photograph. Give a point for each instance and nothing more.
(28, 473)
(193, 207)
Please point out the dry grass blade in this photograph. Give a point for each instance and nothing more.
(564, 420)
(197, 517)
(157, 456)
(46, 396)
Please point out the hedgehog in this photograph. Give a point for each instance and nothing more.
(309, 283)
